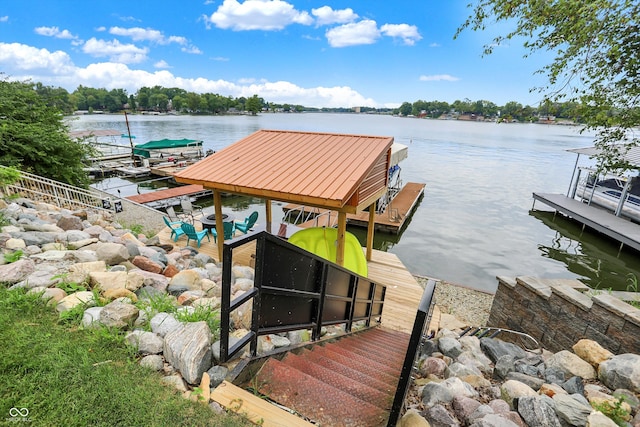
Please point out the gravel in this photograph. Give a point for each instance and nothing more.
(468, 305)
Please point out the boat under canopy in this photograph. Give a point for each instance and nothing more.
(167, 146)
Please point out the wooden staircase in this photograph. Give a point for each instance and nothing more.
(349, 382)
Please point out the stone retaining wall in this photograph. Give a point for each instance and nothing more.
(557, 315)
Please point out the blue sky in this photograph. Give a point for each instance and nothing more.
(329, 53)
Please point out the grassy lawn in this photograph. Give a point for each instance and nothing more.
(67, 376)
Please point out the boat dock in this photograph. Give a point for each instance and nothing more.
(162, 197)
(391, 221)
(599, 219)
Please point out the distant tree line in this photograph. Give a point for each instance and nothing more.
(161, 99)
(486, 109)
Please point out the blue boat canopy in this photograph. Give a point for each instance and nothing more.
(144, 150)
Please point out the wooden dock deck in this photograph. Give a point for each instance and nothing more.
(155, 196)
(601, 220)
(391, 221)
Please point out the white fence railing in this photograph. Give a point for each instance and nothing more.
(35, 187)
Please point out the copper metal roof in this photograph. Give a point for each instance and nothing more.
(312, 168)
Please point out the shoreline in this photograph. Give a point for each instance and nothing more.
(470, 306)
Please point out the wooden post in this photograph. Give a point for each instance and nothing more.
(370, 230)
(217, 202)
(268, 214)
(342, 229)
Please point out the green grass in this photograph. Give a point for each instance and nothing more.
(72, 377)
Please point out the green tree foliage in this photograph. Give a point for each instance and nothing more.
(33, 137)
(597, 59)
(254, 104)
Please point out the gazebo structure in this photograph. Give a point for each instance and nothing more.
(339, 172)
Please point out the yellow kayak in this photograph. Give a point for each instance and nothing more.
(322, 241)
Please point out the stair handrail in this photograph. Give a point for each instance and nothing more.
(37, 187)
(418, 335)
(376, 296)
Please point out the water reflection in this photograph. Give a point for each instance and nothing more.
(596, 259)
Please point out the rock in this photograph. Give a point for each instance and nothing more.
(163, 323)
(152, 361)
(450, 347)
(536, 412)
(574, 385)
(278, 341)
(621, 371)
(476, 381)
(146, 264)
(157, 281)
(80, 272)
(480, 412)
(75, 299)
(45, 276)
(70, 222)
(437, 415)
(91, 317)
(17, 271)
(445, 391)
(494, 420)
(534, 383)
(134, 281)
(112, 253)
(118, 315)
(464, 406)
(504, 365)
(598, 419)
(499, 406)
(15, 244)
(81, 243)
(412, 418)
(432, 366)
(457, 369)
(571, 410)
(551, 389)
(495, 348)
(591, 352)
(571, 365)
(186, 280)
(512, 389)
(209, 303)
(188, 297)
(105, 280)
(297, 337)
(170, 271)
(188, 349)
(52, 295)
(217, 374)
(112, 294)
(175, 381)
(554, 375)
(145, 342)
(242, 272)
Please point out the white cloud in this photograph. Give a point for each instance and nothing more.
(116, 51)
(438, 78)
(363, 32)
(162, 64)
(54, 32)
(434, 44)
(146, 34)
(56, 68)
(191, 49)
(267, 15)
(325, 15)
(4, 18)
(408, 33)
(16, 57)
(220, 58)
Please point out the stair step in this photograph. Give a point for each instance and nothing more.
(379, 348)
(390, 360)
(362, 391)
(366, 367)
(314, 399)
(337, 348)
(353, 374)
(394, 340)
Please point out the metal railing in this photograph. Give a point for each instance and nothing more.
(294, 289)
(47, 190)
(418, 335)
(301, 214)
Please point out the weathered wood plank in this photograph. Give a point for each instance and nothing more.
(252, 407)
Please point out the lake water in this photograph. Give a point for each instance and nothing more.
(475, 220)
